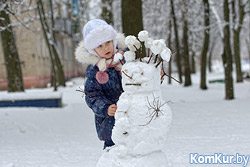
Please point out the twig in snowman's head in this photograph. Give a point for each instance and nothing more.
(135, 84)
(127, 75)
(136, 47)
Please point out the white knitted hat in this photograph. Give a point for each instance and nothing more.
(96, 32)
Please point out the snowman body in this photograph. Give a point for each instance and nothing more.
(142, 120)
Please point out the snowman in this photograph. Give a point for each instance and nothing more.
(142, 118)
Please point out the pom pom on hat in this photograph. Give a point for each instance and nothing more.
(96, 32)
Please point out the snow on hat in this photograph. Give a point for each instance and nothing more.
(96, 32)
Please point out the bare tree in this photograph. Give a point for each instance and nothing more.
(11, 57)
(185, 45)
(227, 56)
(57, 68)
(177, 45)
(45, 28)
(238, 17)
(203, 84)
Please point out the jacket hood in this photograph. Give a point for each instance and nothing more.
(84, 57)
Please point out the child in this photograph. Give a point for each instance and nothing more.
(103, 85)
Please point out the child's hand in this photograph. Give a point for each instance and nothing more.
(112, 109)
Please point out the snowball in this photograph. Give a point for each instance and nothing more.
(130, 40)
(148, 43)
(137, 44)
(118, 57)
(121, 130)
(143, 36)
(157, 46)
(166, 54)
(163, 40)
(129, 56)
(132, 43)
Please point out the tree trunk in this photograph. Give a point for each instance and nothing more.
(210, 56)
(170, 46)
(248, 48)
(185, 46)
(107, 13)
(193, 69)
(59, 66)
(210, 61)
(177, 46)
(45, 30)
(11, 57)
(132, 22)
(228, 55)
(236, 40)
(236, 37)
(203, 84)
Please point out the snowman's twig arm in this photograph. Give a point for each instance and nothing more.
(88, 93)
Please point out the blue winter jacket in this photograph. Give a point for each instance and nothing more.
(100, 96)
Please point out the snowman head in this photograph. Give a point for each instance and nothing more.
(140, 77)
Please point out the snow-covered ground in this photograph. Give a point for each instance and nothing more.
(203, 123)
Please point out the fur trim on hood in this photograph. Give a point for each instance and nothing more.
(84, 57)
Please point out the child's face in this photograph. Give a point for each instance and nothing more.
(105, 50)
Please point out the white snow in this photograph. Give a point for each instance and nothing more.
(118, 57)
(132, 43)
(129, 56)
(4, 96)
(143, 35)
(158, 46)
(166, 54)
(203, 122)
(148, 43)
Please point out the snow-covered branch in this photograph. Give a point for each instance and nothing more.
(220, 25)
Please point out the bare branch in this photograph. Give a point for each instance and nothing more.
(156, 107)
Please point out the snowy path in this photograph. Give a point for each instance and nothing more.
(203, 122)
